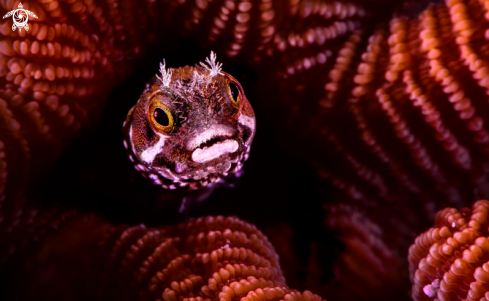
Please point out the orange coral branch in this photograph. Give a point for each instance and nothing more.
(449, 261)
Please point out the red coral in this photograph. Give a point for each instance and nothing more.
(406, 116)
(368, 267)
(364, 263)
(50, 82)
(449, 261)
(203, 259)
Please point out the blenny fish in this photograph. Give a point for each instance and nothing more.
(191, 127)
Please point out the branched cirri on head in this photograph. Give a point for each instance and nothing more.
(191, 127)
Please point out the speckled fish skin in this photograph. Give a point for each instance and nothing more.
(207, 135)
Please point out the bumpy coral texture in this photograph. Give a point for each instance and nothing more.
(450, 260)
(50, 83)
(366, 263)
(208, 258)
(33, 226)
(367, 267)
(405, 111)
(266, 27)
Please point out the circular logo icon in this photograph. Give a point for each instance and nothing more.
(20, 16)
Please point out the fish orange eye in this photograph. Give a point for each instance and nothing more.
(160, 117)
(235, 95)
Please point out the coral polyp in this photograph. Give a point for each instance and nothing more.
(408, 114)
(207, 258)
(449, 261)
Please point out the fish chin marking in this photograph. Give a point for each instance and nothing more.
(215, 151)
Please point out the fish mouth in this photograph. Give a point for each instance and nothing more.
(215, 141)
(213, 132)
(214, 151)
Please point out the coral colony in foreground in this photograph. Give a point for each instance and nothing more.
(209, 258)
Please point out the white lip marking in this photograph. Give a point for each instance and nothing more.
(149, 154)
(215, 151)
(214, 130)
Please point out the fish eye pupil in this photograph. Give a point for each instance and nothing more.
(234, 91)
(161, 117)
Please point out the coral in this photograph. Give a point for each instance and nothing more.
(368, 267)
(202, 259)
(266, 27)
(449, 261)
(405, 111)
(356, 257)
(50, 81)
(29, 227)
